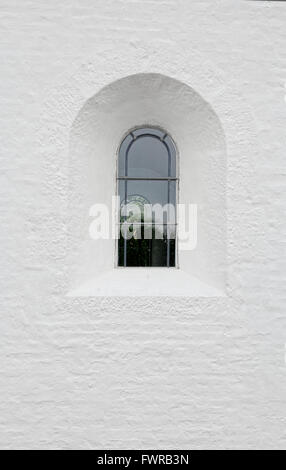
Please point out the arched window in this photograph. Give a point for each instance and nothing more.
(147, 187)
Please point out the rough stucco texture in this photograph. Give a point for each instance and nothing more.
(201, 164)
(141, 373)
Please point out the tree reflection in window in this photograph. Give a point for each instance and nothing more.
(147, 177)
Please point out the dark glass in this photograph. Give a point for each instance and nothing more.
(150, 252)
(140, 193)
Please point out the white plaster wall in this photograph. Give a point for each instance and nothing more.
(155, 372)
(138, 100)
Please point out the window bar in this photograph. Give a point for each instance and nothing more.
(149, 178)
(125, 195)
(150, 223)
(125, 239)
(168, 239)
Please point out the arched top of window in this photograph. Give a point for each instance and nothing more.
(147, 153)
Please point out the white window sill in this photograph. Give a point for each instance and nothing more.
(145, 282)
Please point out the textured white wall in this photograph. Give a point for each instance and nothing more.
(147, 373)
(96, 134)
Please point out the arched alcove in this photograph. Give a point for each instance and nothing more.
(156, 100)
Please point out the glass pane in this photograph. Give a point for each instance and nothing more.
(135, 195)
(148, 158)
(149, 153)
(147, 252)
